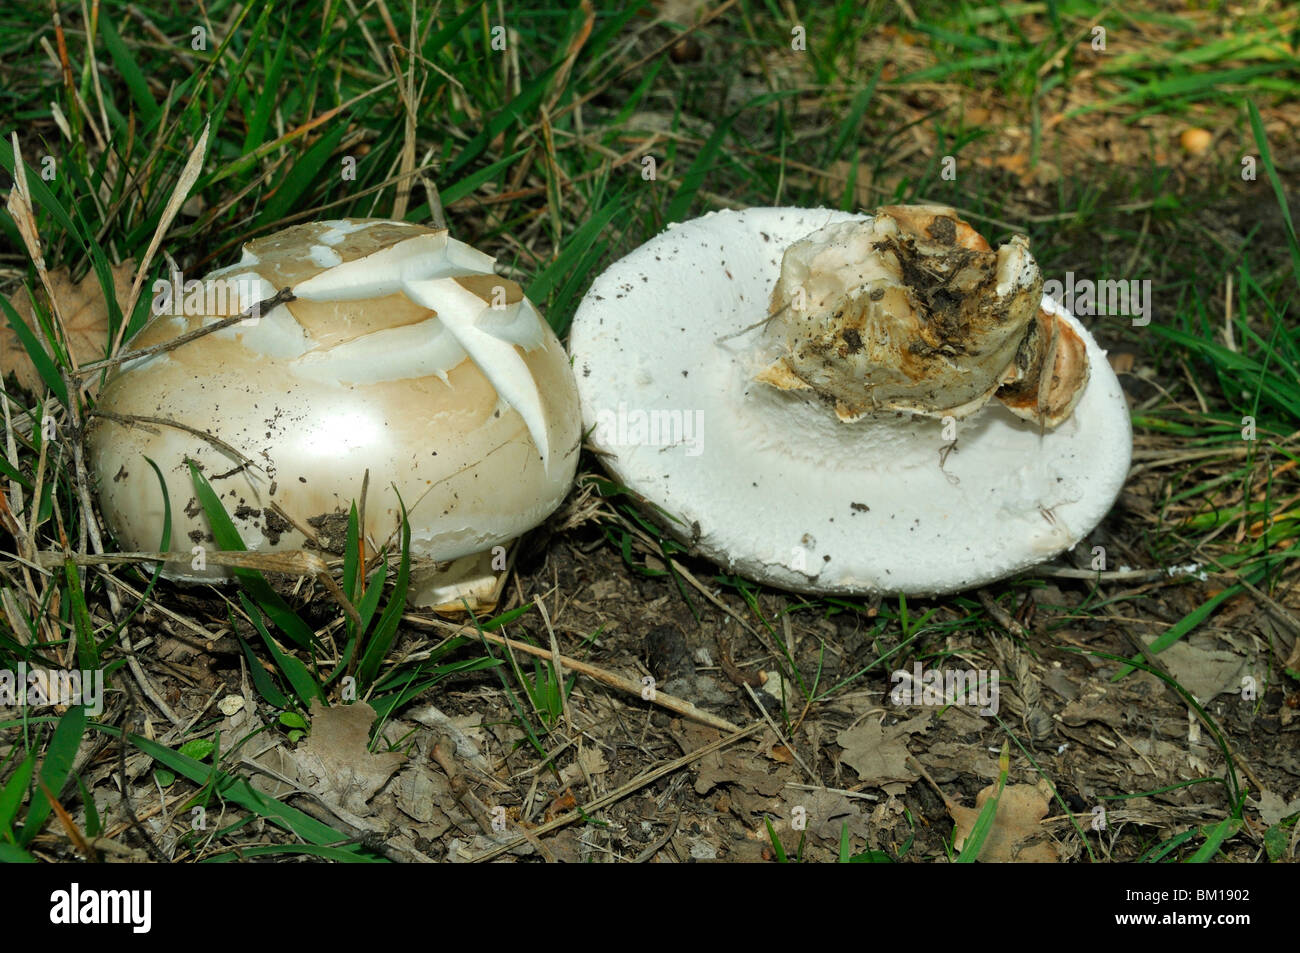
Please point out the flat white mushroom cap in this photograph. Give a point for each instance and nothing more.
(403, 355)
(770, 483)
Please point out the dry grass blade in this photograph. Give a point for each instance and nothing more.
(292, 562)
(671, 702)
(19, 206)
(410, 104)
(571, 54)
(189, 174)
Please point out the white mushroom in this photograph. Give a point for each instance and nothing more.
(807, 394)
(403, 354)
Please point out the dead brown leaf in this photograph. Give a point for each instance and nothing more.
(335, 762)
(1205, 673)
(1016, 834)
(85, 318)
(879, 754)
(826, 812)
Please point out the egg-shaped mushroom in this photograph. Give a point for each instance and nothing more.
(401, 355)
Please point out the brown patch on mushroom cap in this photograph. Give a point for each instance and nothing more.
(939, 223)
(1047, 400)
(283, 260)
(486, 287)
(779, 375)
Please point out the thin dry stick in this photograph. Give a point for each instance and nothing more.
(19, 206)
(659, 842)
(649, 777)
(38, 483)
(1000, 615)
(1110, 575)
(408, 96)
(686, 574)
(1228, 340)
(919, 768)
(189, 174)
(1160, 458)
(784, 740)
(137, 420)
(10, 519)
(671, 702)
(202, 633)
(295, 562)
(444, 753)
(262, 307)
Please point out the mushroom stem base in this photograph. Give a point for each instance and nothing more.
(446, 588)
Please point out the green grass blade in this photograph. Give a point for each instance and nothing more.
(54, 770)
(12, 794)
(1221, 832)
(94, 824)
(370, 600)
(259, 118)
(470, 183)
(778, 849)
(136, 84)
(851, 126)
(299, 676)
(581, 239)
(970, 850)
(239, 791)
(228, 539)
(301, 176)
(1184, 625)
(433, 46)
(509, 114)
(1261, 140)
(44, 365)
(9, 473)
(87, 650)
(261, 681)
(381, 641)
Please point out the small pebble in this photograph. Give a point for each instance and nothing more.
(1195, 141)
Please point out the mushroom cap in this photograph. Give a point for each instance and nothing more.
(403, 355)
(911, 309)
(771, 483)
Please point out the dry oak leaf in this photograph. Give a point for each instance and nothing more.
(335, 762)
(879, 754)
(1272, 808)
(1015, 835)
(85, 318)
